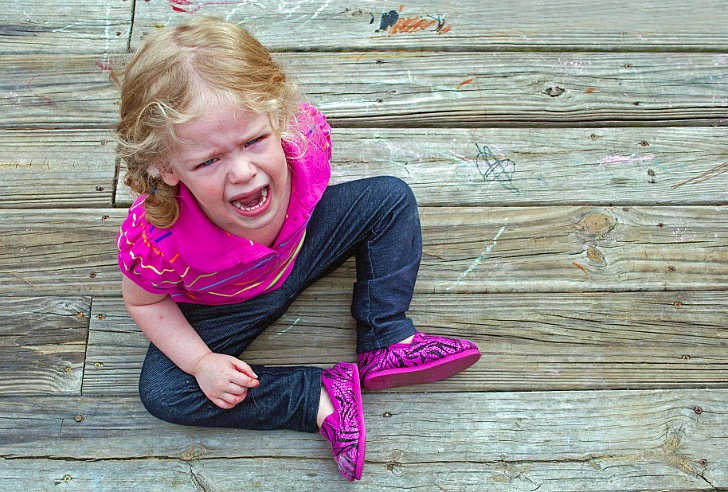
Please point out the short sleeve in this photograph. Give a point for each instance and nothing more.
(320, 130)
(140, 258)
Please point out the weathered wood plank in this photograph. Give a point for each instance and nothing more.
(415, 89)
(43, 344)
(50, 91)
(529, 341)
(62, 247)
(496, 167)
(616, 440)
(517, 89)
(466, 249)
(465, 24)
(72, 26)
(619, 474)
(561, 249)
(53, 169)
(484, 167)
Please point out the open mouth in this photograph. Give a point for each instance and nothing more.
(252, 202)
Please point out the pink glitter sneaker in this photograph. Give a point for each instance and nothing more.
(427, 359)
(344, 429)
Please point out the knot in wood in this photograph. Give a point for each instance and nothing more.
(595, 256)
(554, 91)
(596, 224)
(193, 452)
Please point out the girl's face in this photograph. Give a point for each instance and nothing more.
(233, 162)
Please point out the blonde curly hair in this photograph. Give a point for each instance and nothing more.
(177, 74)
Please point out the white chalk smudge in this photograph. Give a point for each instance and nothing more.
(613, 160)
(480, 257)
(286, 330)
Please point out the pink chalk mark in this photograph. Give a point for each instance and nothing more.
(461, 157)
(184, 6)
(105, 66)
(189, 7)
(613, 160)
(48, 99)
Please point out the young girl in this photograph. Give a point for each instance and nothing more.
(235, 219)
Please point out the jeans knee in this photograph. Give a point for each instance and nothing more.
(397, 188)
(153, 401)
(163, 402)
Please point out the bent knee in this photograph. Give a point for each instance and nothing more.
(168, 402)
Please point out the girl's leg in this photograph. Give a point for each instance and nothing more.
(288, 397)
(376, 220)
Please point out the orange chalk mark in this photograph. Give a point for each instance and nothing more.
(444, 30)
(465, 82)
(401, 7)
(590, 90)
(578, 266)
(410, 25)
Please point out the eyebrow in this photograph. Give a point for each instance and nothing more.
(195, 159)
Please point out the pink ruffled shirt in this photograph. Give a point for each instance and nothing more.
(196, 261)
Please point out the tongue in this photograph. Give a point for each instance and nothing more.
(250, 202)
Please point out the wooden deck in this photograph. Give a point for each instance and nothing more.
(570, 162)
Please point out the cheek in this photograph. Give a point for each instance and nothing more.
(208, 188)
(280, 170)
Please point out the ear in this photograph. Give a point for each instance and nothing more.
(165, 172)
(169, 176)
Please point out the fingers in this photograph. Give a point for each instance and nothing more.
(229, 400)
(245, 369)
(244, 380)
(227, 380)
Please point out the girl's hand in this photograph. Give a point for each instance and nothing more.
(224, 379)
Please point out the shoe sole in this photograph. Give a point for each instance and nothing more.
(429, 373)
(361, 449)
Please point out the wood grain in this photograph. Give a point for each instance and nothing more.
(72, 26)
(419, 89)
(569, 161)
(55, 169)
(520, 167)
(43, 344)
(529, 341)
(546, 440)
(462, 25)
(465, 250)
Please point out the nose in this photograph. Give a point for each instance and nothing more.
(241, 169)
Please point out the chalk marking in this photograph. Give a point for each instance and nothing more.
(684, 235)
(286, 330)
(480, 257)
(49, 101)
(321, 9)
(613, 160)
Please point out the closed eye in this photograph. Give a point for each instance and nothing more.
(254, 141)
(207, 162)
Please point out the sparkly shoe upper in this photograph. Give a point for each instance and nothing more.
(344, 429)
(423, 350)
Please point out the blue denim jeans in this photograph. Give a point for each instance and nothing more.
(373, 219)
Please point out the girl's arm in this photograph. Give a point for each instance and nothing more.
(224, 379)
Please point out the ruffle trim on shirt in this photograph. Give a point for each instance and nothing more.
(312, 170)
(140, 258)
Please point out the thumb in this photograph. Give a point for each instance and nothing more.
(244, 368)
